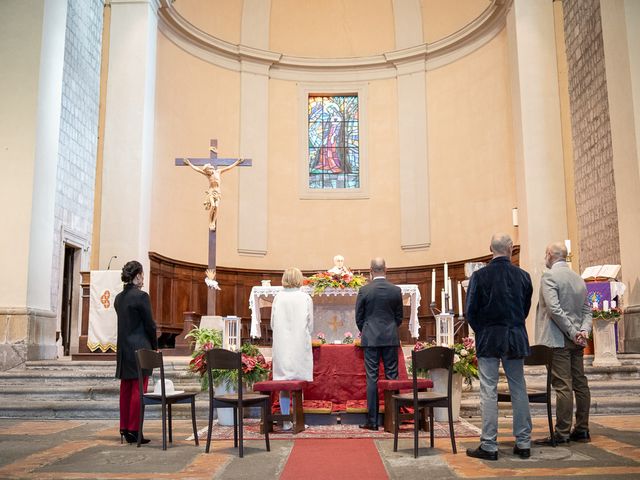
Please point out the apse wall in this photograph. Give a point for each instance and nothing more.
(470, 143)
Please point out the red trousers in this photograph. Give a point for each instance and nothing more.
(130, 403)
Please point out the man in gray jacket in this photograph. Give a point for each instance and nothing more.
(563, 322)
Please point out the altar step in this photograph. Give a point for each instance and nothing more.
(614, 390)
(65, 389)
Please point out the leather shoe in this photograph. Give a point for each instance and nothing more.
(522, 452)
(369, 426)
(580, 436)
(482, 454)
(548, 442)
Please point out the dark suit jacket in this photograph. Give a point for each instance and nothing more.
(136, 329)
(379, 313)
(498, 303)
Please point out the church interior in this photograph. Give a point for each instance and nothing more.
(411, 130)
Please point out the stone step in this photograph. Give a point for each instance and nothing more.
(74, 392)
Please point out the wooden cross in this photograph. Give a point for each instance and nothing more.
(335, 323)
(214, 161)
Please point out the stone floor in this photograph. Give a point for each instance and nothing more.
(69, 449)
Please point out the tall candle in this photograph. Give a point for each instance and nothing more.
(605, 305)
(460, 299)
(613, 304)
(595, 305)
(450, 295)
(442, 298)
(567, 243)
(446, 275)
(433, 286)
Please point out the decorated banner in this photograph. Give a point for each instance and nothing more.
(103, 323)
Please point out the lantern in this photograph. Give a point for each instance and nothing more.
(444, 329)
(231, 333)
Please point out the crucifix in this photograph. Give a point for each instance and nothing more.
(335, 323)
(212, 168)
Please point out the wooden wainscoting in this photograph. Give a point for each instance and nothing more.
(176, 287)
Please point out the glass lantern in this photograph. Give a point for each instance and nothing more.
(231, 333)
(444, 329)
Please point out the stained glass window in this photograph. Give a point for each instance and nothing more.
(334, 141)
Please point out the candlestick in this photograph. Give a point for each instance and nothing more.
(442, 301)
(460, 311)
(433, 286)
(446, 275)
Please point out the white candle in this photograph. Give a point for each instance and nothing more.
(595, 305)
(450, 295)
(433, 286)
(446, 275)
(605, 305)
(613, 304)
(442, 304)
(460, 299)
(567, 243)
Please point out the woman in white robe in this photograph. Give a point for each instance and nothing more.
(292, 324)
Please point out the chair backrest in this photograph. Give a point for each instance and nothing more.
(221, 359)
(540, 355)
(431, 358)
(149, 360)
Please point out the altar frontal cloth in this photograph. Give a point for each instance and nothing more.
(103, 321)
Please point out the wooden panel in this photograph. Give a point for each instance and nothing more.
(177, 287)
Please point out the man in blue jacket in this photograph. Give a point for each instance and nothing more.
(498, 303)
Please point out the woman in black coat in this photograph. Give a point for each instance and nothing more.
(136, 330)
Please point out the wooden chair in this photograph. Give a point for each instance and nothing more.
(296, 413)
(540, 355)
(220, 359)
(429, 358)
(149, 360)
(393, 387)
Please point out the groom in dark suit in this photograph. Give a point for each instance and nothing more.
(378, 316)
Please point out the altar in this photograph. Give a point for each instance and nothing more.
(333, 310)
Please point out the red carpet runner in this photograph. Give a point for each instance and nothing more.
(351, 459)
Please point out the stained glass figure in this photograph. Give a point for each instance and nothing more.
(334, 156)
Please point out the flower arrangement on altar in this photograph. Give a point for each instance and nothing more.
(613, 314)
(254, 366)
(348, 338)
(465, 361)
(320, 339)
(323, 280)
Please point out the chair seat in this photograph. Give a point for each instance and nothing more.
(247, 398)
(175, 398)
(422, 396)
(279, 385)
(404, 384)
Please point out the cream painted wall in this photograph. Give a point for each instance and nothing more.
(444, 17)
(220, 18)
(471, 167)
(195, 101)
(332, 28)
(20, 31)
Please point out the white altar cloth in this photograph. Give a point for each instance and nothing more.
(263, 297)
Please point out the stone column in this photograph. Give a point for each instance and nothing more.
(128, 134)
(538, 152)
(29, 160)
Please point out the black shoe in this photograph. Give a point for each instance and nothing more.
(132, 437)
(522, 452)
(123, 434)
(369, 426)
(549, 441)
(483, 454)
(580, 436)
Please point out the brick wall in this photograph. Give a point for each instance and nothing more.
(78, 129)
(591, 132)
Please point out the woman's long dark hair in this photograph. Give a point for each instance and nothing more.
(130, 270)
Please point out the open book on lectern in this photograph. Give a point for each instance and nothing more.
(601, 272)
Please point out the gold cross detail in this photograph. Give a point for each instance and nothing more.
(335, 323)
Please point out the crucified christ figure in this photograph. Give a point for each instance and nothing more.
(213, 193)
